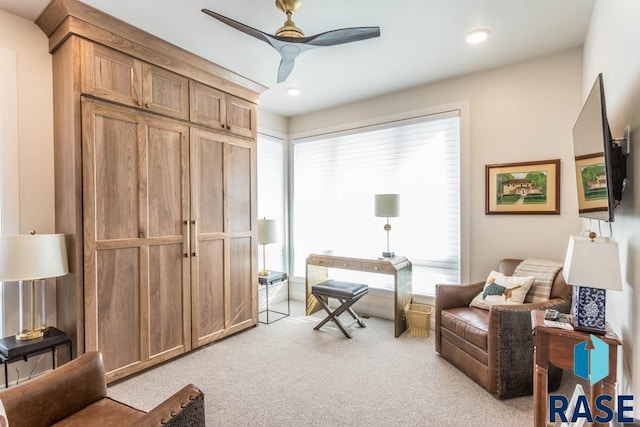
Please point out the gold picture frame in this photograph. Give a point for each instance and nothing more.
(523, 188)
(591, 180)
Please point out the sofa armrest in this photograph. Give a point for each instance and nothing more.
(449, 296)
(510, 346)
(185, 408)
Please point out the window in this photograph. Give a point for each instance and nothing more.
(271, 197)
(337, 175)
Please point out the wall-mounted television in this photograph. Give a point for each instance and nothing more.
(599, 159)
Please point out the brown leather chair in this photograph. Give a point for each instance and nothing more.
(494, 347)
(76, 395)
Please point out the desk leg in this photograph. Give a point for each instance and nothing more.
(539, 392)
(53, 358)
(6, 374)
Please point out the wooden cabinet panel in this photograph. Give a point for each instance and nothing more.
(111, 75)
(207, 106)
(116, 292)
(207, 180)
(208, 293)
(241, 287)
(237, 168)
(113, 152)
(241, 116)
(167, 182)
(165, 92)
(166, 300)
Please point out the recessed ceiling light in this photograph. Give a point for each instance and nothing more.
(477, 36)
(294, 91)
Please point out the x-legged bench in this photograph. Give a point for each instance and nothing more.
(345, 292)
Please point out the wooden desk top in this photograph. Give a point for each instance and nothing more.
(537, 323)
(375, 265)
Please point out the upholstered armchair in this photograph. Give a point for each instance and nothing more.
(494, 347)
(76, 395)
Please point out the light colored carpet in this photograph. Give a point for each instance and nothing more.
(287, 374)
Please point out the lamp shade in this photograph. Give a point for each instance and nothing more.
(266, 231)
(31, 257)
(387, 205)
(593, 263)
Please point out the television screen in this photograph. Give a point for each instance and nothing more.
(592, 145)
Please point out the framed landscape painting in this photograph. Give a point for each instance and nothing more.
(591, 179)
(523, 188)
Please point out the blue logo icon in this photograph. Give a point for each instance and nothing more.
(591, 359)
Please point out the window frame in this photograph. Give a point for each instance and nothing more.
(462, 107)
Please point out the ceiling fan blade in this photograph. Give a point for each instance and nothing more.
(285, 68)
(342, 36)
(240, 26)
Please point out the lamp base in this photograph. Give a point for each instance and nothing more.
(588, 309)
(31, 334)
(264, 272)
(388, 254)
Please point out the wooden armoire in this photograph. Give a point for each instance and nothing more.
(155, 180)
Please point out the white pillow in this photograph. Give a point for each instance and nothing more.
(501, 289)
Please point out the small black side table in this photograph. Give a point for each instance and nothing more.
(273, 278)
(12, 349)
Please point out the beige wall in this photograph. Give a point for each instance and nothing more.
(611, 49)
(517, 113)
(33, 144)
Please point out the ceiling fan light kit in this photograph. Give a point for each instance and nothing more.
(290, 40)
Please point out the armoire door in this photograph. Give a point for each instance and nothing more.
(223, 269)
(136, 198)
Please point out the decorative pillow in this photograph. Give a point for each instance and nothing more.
(501, 289)
(544, 271)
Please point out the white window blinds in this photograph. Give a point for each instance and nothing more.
(271, 197)
(337, 175)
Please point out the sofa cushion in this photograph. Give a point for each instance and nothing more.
(501, 289)
(469, 323)
(104, 413)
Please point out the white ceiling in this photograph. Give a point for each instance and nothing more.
(421, 40)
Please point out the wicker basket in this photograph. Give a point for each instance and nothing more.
(418, 319)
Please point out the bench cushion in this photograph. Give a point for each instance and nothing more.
(336, 289)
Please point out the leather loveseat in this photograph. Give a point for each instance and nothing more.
(494, 347)
(76, 395)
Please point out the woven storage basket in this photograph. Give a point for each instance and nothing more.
(418, 319)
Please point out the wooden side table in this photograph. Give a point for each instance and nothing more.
(12, 349)
(554, 345)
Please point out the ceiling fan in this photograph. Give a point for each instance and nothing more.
(290, 41)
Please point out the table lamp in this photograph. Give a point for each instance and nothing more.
(266, 235)
(592, 265)
(27, 258)
(387, 205)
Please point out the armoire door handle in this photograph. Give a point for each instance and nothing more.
(185, 241)
(194, 238)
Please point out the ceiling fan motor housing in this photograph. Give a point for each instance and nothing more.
(289, 29)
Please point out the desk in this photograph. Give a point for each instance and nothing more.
(12, 349)
(399, 267)
(268, 281)
(554, 345)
